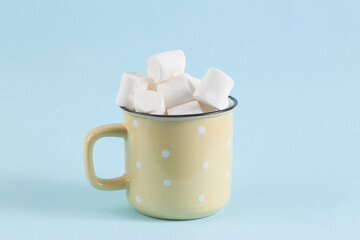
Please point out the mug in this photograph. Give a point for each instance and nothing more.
(176, 166)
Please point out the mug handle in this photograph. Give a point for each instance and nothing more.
(109, 130)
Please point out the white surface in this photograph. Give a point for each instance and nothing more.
(192, 107)
(214, 89)
(149, 102)
(206, 108)
(176, 91)
(165, 65)
(194, 81)
(131, 84)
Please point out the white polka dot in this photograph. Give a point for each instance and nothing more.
(165, 153)
(167, 182)
(227, 174)
(136, 123)
(201, 198)
(138, 199)
(205, 165)
(229, 142)
(138, 164)
(201, 130)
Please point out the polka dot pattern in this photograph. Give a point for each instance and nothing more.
(165, 153)
(167, 182)
(136, 123)
(210, 163)
(201, 130)
(205, 165)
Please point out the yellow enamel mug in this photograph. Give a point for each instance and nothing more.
(176, 167)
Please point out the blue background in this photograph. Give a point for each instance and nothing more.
(296, 148)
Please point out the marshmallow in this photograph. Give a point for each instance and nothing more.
(149, 102)
(192, 107)
(214, 89)
(152, 85)
(194, 81)
(206, 108)
(165, 65)
(176, 91)
(231, 102)
(131, 84)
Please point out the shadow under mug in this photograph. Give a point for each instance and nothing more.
(176, 167)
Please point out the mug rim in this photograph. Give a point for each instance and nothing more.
(234, 105)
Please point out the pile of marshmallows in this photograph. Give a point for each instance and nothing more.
(168, 90)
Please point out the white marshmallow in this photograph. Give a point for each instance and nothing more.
(149, 102)
(131, 84)
(192, 107)
(152, 85)
(176, 91)
(206, 108)
(194, 81)
(231, 102)
(214, 89)
(165, 65)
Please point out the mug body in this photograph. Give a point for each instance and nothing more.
(179, 167)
